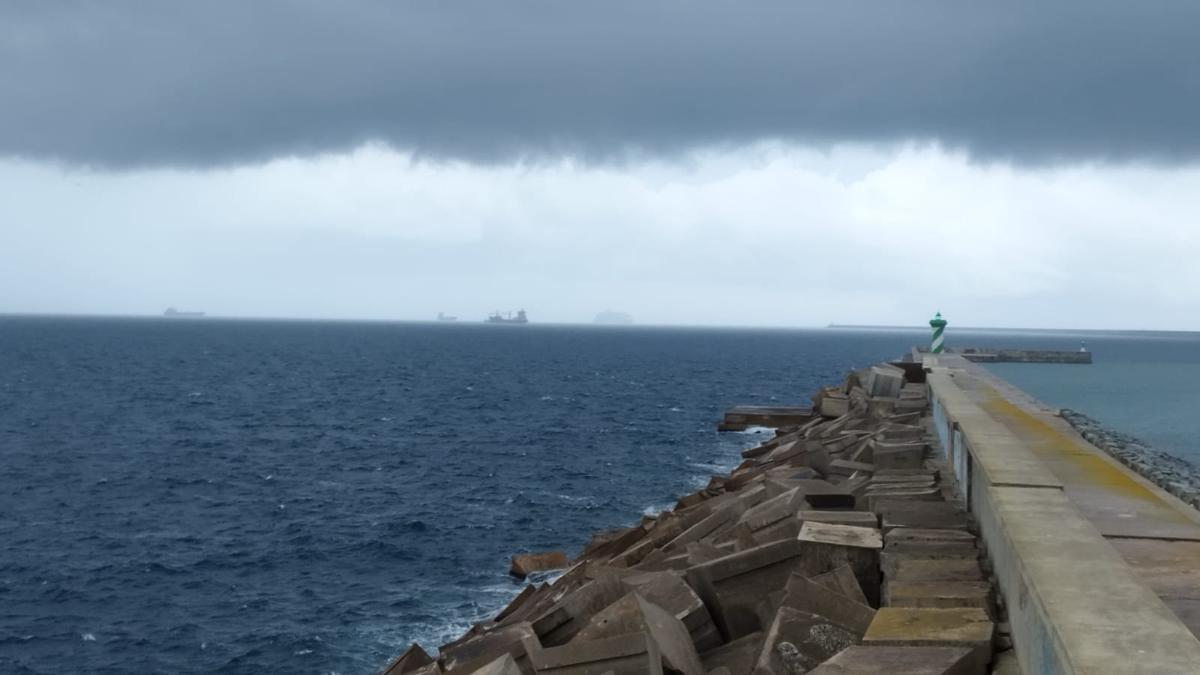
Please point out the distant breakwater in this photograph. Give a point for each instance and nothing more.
(1173, 474)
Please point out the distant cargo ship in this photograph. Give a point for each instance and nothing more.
(178, 314)
(497, 317)
(446, 317)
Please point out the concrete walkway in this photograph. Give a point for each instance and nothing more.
(1087, 540)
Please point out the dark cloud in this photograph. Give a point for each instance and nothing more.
(125, 84)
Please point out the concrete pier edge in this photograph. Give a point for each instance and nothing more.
(1074, 603)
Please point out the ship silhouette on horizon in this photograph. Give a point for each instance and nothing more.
(497, 317)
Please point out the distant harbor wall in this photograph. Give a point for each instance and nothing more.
(1025, 356)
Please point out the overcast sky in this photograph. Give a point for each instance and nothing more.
(775, 163)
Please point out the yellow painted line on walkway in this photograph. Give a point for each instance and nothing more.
(1050, 443)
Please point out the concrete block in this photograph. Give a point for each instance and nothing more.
(738, 656)
(809, 596)
(846, 467)
(885, 455)
(733, 586)
(913, 482)
(854, 518)
(914, 495)
(773, 510)
(523, 564)
(938, 594)
(476, 652)
(669, 591)
(841, 535)
(570, 614)
(830, 546)
(841, 579)
(702, 551)
(877, 660)
(516, 603)
(834, 405)
(726, 514)
(884, 381)
(919, 514)
(797, 641)
(413, 658)
(505, 665)
(630, 654)
(932, 549)
(917, 569)
(786, 528)
(634, 614)
(897, 433)
(908, 627)
(825, 495)
(904, 476)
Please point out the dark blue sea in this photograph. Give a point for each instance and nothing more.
(191, 496)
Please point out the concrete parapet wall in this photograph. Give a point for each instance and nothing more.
(1074, 604)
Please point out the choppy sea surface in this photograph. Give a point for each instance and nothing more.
(192, 496)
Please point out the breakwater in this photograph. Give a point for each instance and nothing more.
(836, 546)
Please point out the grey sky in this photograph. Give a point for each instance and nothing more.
(124, 83)
(706, 162)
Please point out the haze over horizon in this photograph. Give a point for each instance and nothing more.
(800, 164)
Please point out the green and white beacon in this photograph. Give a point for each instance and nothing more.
(938, 324)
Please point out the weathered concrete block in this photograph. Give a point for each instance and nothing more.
(889, 562)
(854, 518)
(773, 510)
(846, 467)
(798, 641)
(932, 549)
(825, 495)
(630, 654)
(907, 627)
(526, 594)
(910, 569)
(918, 534)
(886, 455)
(724, 514)
(474, 653)
(904, 476)
(523, 564)
(505, 665)
(919, 514)
(834, 405)
(809, 596)
(413, 658)
(830, 546)
(877, 660)
(702, 551)
(914, 495)
(737, 656)
(669, 591)
(634, 614)
(884, 381)
(733, 586)
(912, 482)
(897, 433)
(841, 580)
(938, 594)
(570, 614)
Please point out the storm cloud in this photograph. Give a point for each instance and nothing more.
(125, 84)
